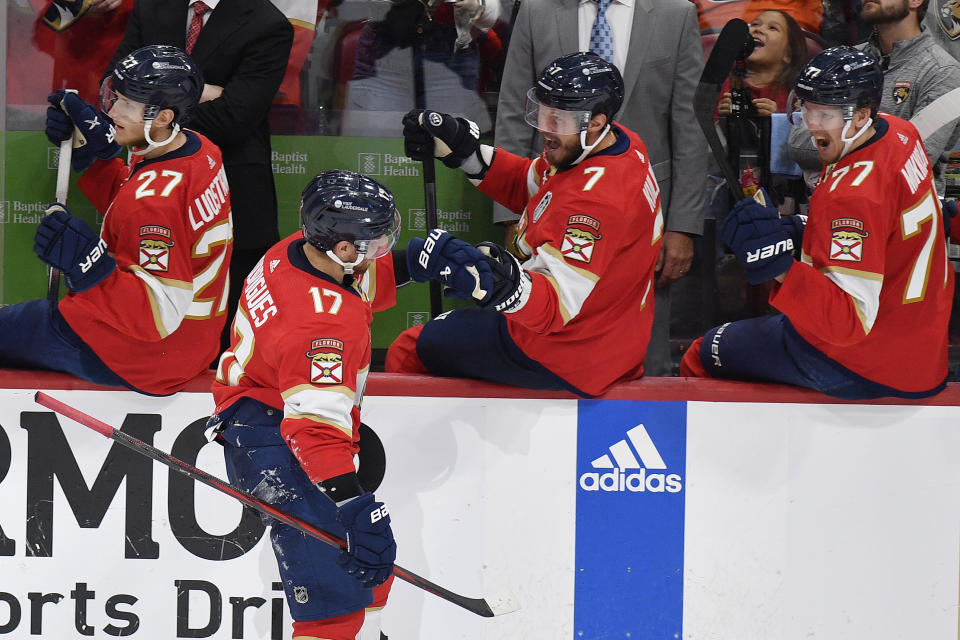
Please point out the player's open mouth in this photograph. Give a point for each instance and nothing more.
(822, 142)
(550, 145)
(757, 42)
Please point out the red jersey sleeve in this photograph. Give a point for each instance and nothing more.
(510, 180)
(320, 373)
(101, 181)
(838, 300)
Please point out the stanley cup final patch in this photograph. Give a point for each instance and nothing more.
(326, 361)
(846, 241)
(579, 243)
(155, 243)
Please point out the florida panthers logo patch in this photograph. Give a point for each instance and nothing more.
(846, 243)
(901, 91)
(948, 14)
(579, 243)
(155, 243)
(326, 361)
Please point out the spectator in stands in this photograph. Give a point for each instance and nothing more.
(713, 14)
(916, 71)
(242, 46)
(450, 44)
(771, 69)
(81, 47)
(864, 312)
(657, 47)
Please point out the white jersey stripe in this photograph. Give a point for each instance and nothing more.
(573, 285)
(865, 292)
(169, 299)
(330, 406)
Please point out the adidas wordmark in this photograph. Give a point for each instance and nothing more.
(621, 478)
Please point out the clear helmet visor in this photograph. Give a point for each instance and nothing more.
(553, 120)
(820, 117)
(123, 108)
(381, 245)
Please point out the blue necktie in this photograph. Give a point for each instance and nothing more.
(601, 40)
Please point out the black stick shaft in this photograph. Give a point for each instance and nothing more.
(478, 606)
(429, 169)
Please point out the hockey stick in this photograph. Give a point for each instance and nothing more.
(937, 114)
(479, 606)
(63, 186)
(429, 169)
(731, 41)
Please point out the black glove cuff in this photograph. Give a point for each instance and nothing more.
(401, 273)
(484, 167)
(342, 487)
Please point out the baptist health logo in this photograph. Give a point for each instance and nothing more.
(621, 475)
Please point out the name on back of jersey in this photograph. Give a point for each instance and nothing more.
(916, 168)
(208, 204)
(257, 295)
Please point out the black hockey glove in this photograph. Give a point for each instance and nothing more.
(456, 264)
(429, 134)
(371, 549)
(511, 284)
(756, 236)
(95, 131)
(69, 244)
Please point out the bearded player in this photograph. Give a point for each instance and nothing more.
(576, 313)
(864, 311)
(288, 395)
(147, 296)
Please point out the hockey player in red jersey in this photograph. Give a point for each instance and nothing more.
(865, 309)
(577, 313)
(147, 296)
(288, 395)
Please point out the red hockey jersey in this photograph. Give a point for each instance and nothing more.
(156, 320)
(301, 343)
(874, 288)
(591, 234)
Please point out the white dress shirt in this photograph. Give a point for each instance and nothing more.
(620, 17)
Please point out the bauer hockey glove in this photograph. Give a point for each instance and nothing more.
(95, 131)
(456, 264)
(67, 243)
(794, 225)
(429, 134)
(511, 284)
(371, 548)
(761, 243)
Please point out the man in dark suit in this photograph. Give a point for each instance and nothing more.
(242, 47)
(656, 46)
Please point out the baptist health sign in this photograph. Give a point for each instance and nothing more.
(602, 519)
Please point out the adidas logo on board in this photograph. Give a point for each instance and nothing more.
(621, 476)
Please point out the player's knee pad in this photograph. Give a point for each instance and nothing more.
(402, 354)
(691, 365)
